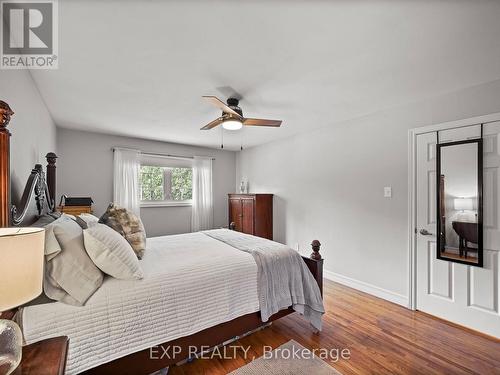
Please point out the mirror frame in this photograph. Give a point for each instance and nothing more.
(439, 146)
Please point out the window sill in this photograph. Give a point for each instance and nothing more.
(165, 204)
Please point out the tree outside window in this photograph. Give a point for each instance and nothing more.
(166, 184)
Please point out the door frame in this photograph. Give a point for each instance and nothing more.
(412, 198)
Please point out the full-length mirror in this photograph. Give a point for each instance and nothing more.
(459, 204)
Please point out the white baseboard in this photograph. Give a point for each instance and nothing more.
(367, 288)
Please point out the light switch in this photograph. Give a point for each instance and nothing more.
(388, 192)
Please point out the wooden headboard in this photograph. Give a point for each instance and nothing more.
(40, 185)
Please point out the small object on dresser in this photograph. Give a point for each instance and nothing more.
(75, 201)
(78, 201)
(68, 205)
(21, 275)
(244, 186)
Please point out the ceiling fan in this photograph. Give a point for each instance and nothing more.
(232, 116)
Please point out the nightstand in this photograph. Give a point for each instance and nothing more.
(46, 357)
(75, 210)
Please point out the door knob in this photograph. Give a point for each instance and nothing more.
(425, 232)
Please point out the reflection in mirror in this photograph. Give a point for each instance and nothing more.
(459, 202)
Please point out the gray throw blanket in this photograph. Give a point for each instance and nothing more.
(283, 277)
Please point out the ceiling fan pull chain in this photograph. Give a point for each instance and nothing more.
(241, 139)
(221, 137)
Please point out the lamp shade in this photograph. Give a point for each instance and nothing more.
(463, 204)
(21, 265)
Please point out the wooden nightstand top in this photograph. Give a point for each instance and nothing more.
(75, 210)
(46, 357)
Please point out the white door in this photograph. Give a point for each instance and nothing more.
(463, 294)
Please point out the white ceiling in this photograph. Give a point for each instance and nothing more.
(139, 68)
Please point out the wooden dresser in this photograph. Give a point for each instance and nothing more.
(252, 214)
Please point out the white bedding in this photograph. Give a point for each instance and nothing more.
(191, 282)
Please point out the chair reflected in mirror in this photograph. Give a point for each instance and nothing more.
(467, 235)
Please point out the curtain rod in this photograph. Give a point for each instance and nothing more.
(156, 153)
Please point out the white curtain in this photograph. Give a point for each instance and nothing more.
(126, 179)
(202, 214)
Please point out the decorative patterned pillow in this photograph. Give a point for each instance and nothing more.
(128, 225)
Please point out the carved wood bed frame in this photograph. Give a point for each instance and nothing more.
(139, 362)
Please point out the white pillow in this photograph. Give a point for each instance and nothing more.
(86, 220)
(111, 252)
(70, 275)
(89, 217)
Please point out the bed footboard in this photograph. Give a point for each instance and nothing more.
(315, 264)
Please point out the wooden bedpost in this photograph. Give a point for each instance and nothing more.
(315, 264)
(315, 247)
(51, 177)
(5, 115)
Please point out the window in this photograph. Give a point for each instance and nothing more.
(166, 185)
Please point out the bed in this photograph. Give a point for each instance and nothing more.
(191, 282)
(197, 291)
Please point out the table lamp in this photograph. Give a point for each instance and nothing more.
(462, 204)
(21, 276)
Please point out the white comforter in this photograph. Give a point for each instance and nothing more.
(191, 282)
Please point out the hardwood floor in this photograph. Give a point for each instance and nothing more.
(471, 257)
(383, 338)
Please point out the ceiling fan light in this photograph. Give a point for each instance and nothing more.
(232, 124)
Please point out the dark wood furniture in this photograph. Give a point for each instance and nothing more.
(251, 214)
(442, 217)
(46, 357)
(467, 232)
(41, 185)
(141, 362)
(75, 210)
(5, 114)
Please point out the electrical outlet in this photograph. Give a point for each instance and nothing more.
(388, 192)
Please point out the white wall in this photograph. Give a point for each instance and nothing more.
(32, 128)
(85, 168)
(329, 186)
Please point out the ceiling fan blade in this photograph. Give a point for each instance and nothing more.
(221, 105)
(213, 124)
(261, 122)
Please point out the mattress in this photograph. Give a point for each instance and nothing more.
(191, 282)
